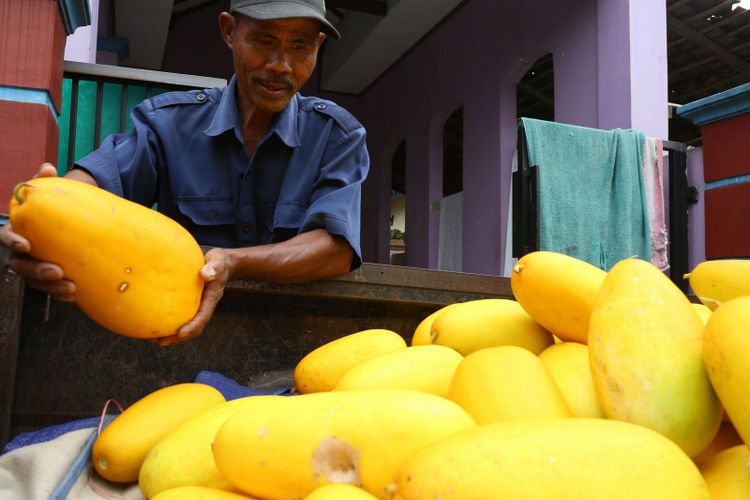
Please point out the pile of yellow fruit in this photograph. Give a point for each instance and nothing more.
(590, 385)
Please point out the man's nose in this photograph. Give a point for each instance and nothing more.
(279, 61)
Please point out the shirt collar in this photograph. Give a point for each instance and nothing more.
(227, 117)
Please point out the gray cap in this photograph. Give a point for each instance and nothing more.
(284, 9)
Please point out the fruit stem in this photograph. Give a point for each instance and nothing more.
(20, 198)
(517, 268)
(686, 276)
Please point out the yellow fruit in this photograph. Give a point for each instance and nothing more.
(727, 437)
(726, 344)
(422, 332)
(122, 446)
(136, 271)
(339, 492)
(727, 474)
(703, 311)
(646, 356)
(717, 281)
(288, 449)
(477, 324)
(426, 368)
(575, 458)
(557, 291)
(183, 457)
(506, 383)
(321, 369)
(568, 363)
(198, 493)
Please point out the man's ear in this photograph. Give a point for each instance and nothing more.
(321, 37)
(226, 27)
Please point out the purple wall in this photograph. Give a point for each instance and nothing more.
(475, 61)
(697, 211)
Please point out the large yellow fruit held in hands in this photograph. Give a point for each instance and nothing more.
(136, 271)
(121, 448)
(557, 291)
(478, 324)
(726, 352)
(294, 446)
(573, 458)
(320, 369)
(646, 356)
(716, 281)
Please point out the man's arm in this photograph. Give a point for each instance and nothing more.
(81, 175)
(308, 256)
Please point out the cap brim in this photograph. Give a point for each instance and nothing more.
(287, 10)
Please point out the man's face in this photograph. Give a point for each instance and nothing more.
(272, 59)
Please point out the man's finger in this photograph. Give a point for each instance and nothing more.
(14, 241)
(194, 327)
(32, 269)
(46, 170)
(208, 272)
(63, 290)
(174, 339)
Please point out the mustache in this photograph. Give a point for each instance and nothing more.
(274, 80)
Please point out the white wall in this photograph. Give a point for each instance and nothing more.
(81, 45)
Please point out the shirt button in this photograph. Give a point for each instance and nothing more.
(320, 105)
(201, 97)
(246, 228)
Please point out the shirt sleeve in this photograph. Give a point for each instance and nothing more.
(336, 196)
(127, 164)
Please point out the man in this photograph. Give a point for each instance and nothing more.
(267, 177)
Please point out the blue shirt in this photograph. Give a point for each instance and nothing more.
(186, 153)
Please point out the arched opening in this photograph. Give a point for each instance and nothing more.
(450, 231)
(535, 94)
(398, 205)
(535, 98)
(453, 153)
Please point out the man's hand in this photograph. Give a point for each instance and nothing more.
(45, 276)
(306, 257)
(216, 272)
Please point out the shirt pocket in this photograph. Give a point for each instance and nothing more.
(289, 215)
(207, 210)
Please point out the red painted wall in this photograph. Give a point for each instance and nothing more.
(28, 139)
(726, 154)
(728, 222)
(32, 45)
(726, 148)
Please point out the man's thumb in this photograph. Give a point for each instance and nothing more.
(208, 272)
